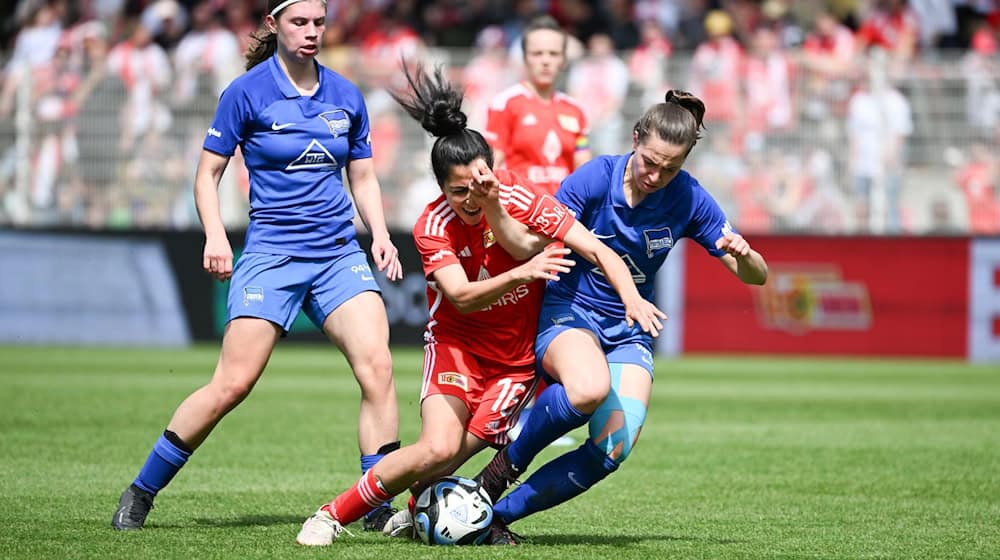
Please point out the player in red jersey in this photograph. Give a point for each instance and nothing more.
(486, 267)
(534, 130)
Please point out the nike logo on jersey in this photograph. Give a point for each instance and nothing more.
(276, 126)
(599, 236)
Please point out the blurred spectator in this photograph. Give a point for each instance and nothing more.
(391, 40)
(665, 13)
(892, 26)
(207, 57)
(768, 81)
(715, 70)
(485, 75)
(34, 46)
(649, 64)
(144, 69)
(166, 21)
(618, 19)
(779, 19)
(827, 57)
(936, 23)
(981, 71)
(240, 20)
(979, 180)
(599, 81)
(878, 124)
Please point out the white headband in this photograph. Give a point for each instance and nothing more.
(286, 4)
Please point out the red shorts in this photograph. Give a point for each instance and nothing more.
(494, 393)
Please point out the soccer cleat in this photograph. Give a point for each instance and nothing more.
(498, 475)
(400, 525)
(133, 507)
(319, 530)
(376, 520)
(500, 535)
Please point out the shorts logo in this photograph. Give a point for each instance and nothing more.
(363, 271)
(657, 239)
(562, 319)
(337, 120)
(453, 379)
(253, 294)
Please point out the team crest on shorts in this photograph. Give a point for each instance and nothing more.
(488, 238)
(253, 294)
(453, 379)
(337, 120)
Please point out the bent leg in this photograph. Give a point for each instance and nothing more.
(614, 428)
(576, 361)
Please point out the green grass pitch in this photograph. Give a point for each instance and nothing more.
(740, 458)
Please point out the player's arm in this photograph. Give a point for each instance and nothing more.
(637, 309)
(217, 259)
(469, 296)
(515, 237)
(368, 199)
(748, 265)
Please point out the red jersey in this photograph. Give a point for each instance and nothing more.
(538, 137)
(504, 331)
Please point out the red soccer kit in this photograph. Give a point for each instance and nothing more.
(486, 358)
(538, 137)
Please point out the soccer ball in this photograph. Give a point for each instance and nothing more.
(453, 510)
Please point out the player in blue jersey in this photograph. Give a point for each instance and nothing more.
(298, 126)
(640, 204)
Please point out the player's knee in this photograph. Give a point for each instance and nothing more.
(587, 397)
(615, 426)
(232, 393)
(437, 453)
(374, 373)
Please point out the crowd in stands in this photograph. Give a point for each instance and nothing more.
(820, 114)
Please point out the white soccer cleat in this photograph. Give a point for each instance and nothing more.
(319, 530)
(400, 525)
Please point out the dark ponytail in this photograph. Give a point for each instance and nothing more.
(678, 120)
(437, 106)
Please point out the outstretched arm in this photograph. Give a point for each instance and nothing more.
(515, 237)
(616, 271)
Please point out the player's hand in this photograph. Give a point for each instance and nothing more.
(217, 259)
(734, 244)
(646, 314)
(387, 258)
(485, 186)
(546, 265)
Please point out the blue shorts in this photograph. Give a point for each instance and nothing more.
(275, 287)
(621, 343)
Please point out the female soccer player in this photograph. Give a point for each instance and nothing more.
(484, 292)
(535, 130)
(640, 204)
(298, 124)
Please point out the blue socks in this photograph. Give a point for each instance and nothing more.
(167, 457)
(368, 461)
(559, 480)
(551, 418)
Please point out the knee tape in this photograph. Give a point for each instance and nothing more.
(615, 425)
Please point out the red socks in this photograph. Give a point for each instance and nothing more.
(366, 494)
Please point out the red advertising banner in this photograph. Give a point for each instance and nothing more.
(834, 295)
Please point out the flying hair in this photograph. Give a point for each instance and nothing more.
(437, 105)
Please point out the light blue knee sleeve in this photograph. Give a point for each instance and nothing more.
(624, 413)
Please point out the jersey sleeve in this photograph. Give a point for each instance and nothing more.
(229, 124)
(435, 247)
(531, 206)
(360, 136)
(709, 223)
(583, 138)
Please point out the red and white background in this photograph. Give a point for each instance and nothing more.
(864, 296)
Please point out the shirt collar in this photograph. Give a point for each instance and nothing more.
(286, 86)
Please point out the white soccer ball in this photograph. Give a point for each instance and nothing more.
(453, 510)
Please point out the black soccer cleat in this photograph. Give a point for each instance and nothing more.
(498, 475)
(378, 517)
(133, 507)
(500, 535)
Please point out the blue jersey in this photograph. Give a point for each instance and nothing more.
(642, 236)
(295, 149)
